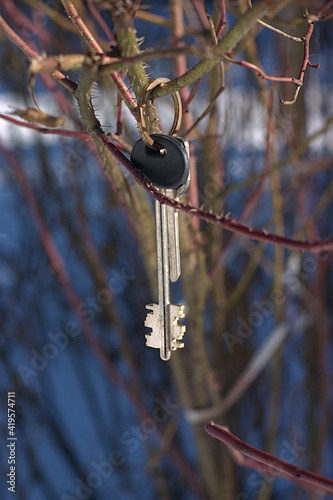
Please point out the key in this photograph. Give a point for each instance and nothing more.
(166, 333)
(165, 171)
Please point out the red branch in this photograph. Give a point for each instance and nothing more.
(262, 74)
(223, 17)
(297, 81)
(191, 96)
(306, 61)
(48, 131)
(101, 22)
(273, 465)
(224, 221)
(81, 26)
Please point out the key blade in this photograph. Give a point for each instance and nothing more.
(158, 319)
(173, 239)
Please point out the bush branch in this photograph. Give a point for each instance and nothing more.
(275, 466)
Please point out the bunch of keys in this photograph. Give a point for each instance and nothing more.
(165, 161)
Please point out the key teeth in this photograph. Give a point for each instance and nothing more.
(181, 313)
(153, 338)
(150, 316)
(177, 336)
(178, 330)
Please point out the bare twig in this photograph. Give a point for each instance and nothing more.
(25, 22)
(280, 32)
(223, 18)
(261, 73)
(305, 63)
(275, 465)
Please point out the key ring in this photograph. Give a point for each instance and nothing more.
(142, 123)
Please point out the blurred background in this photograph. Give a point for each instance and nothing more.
(98, 414)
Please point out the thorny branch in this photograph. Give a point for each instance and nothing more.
(224, 221)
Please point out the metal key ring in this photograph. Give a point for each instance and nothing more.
(142, 123)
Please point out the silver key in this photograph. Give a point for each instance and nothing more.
(166, 333)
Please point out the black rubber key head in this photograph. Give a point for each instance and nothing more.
(168, 171)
